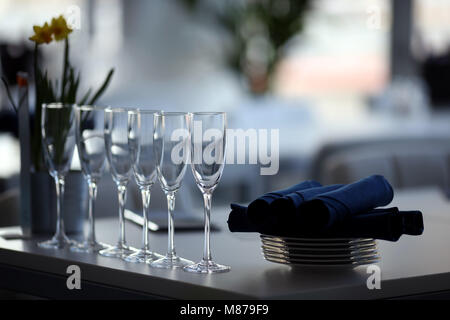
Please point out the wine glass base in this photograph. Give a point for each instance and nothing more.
(89, 247)
(59, 242)
(170, 262)
(205, 266)
(117, 252)
(143, 256)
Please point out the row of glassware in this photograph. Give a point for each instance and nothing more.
(149, 144)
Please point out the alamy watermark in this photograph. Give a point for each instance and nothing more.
(74, 279)
(374, 280)
(263, 148)
(238, 146)
(73, 17)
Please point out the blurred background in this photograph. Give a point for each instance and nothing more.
(355, 87)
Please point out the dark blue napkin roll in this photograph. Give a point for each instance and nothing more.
(384, 224)
(259, 210)
(238, 219)
(284, 208)
(332, 207)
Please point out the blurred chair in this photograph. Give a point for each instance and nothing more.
(407, 162)
(9, 208)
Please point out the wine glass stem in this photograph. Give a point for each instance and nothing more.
(59, 183)
(171, 207)
(145, 205)
(122, 192)
(207, 204)
(91, 218)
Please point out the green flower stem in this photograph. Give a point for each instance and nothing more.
(35, 63)
(64, 75)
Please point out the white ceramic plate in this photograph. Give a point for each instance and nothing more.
(323, 254)
(321, 259)
(332, 264)
(317, 246)
(295, 239)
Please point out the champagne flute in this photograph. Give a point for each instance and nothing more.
(140, 142)
(91, 151)
(208, 142)
(58, 140)
(119, 159)
(171, 143)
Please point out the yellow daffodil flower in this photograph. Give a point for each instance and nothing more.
(59, 28)
(42, 34)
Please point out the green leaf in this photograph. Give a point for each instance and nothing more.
(9, 94)
(69, 98)
(75, 88)
(103, 87)
(85, 97)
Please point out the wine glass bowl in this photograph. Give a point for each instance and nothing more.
(208, 149)
(171, 141)
(58, 137)
(91, 140)
(116, 140)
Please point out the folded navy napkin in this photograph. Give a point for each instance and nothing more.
(246, 219)
(384, 224)
(285, 208)
(311, 210)
(327, 209)
(238, 220)
(259, 210)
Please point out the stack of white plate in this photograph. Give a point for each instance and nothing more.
(316, 252)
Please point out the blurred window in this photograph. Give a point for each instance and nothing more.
(344, 48)
(431, 26)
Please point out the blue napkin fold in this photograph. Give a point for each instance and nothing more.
(332, 207)
(259, 210)
(238, 219)
(284, 208)
(385, 224)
